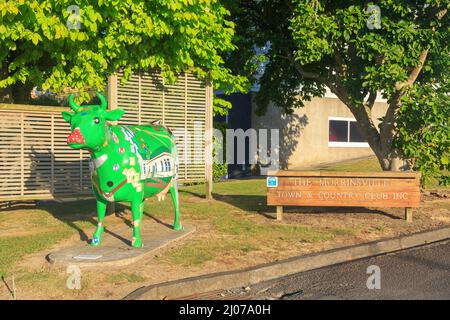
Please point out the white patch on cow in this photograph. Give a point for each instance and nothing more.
(133, 178)
(129, 134)
(96, 163)
(161, 166)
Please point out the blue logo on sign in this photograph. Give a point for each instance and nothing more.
(272, 182)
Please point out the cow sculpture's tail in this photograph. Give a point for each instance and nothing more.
(174, 189)
(174, 183)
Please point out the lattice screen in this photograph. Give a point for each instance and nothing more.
(181, 106)
(35, 161)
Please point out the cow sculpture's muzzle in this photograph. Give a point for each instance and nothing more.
(76, 137)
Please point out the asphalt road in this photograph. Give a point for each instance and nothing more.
(420, 273)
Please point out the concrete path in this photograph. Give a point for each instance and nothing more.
(116, 248)
(420, 273)
(214, 282)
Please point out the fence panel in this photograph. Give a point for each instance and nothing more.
(35, 161)
(182, 106)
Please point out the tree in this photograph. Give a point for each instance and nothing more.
(347, 47)
(53, 44)
(423, 124)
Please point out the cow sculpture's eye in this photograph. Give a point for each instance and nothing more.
(96, 120)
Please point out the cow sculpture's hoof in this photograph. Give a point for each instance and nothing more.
(96, 241)
(97, 237)
(177, 226)
(136, 242)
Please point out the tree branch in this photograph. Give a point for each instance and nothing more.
(441, 12)
(342, 66)
(388, 124)
(414, 72)
(371, 99)
(304, 73)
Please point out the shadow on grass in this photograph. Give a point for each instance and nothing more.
(168, 225)
(72, 212)
(121, 208)
(258, 204)
(192, 193)
(338, 210)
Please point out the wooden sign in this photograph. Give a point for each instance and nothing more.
(355, 189)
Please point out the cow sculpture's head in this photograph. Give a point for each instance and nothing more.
(89, 123)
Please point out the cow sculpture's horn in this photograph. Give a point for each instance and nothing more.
(103, 103)
(72, 104)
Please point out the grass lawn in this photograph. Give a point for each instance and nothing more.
(234, 222)
(370, 165)
(366, 165)
(26, 231)
(237, 224)
(233, 219)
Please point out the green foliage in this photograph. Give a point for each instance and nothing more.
(424, 132)
(221, 106)
(219, 169)
(319, 43)
(312, 45)
(37, 45)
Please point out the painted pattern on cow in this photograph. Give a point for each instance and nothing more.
(128, 163)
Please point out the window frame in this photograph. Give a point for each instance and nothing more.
(342, 144)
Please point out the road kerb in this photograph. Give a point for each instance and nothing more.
(273, 270)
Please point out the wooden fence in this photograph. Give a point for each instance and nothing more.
(36, 163)
(185, 107)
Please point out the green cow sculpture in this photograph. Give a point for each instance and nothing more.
(128, 163)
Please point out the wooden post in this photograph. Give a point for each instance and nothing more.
(52, 155)
(14, 288)
(112, 104)
(408, 214)
(112, 91)
(209, 141)
(279, 213)
(22, 155)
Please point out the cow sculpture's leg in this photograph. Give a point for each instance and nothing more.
(174, 193)
(101, 210)
(137, 208)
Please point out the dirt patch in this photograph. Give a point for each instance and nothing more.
(435, 194)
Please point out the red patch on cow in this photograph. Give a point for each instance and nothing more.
(76, 137)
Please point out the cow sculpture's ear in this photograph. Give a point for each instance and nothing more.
(114, 114)
(66, 116)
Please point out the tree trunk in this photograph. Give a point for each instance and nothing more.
(21, 93)
(5, 93)
(380, 143)
(393, 162)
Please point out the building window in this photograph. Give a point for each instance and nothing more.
(343, 132)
